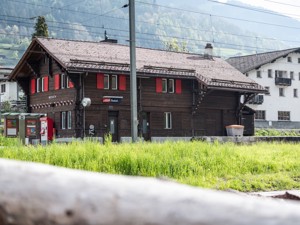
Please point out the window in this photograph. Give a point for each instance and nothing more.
(284, 115)
(164, 86)
(63, 81)
(168, 120)
(63, 120)
(68, 82)
(260, 115)
(292, 75)
(270, 75)
(281, 92)
(66, 120)
(299, 75)
(38, 84)
(298, 60)
(114, 82)
(295, 93)
(258, 74)
(3, 88)
(106, 81)
(247, 75)
(268, 90)
(280, 73)
(171, 85)
(289, 59)
(69, 123)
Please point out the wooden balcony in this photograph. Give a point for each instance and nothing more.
(283, 81)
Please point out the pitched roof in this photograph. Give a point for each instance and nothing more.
(101, 56)
(250, 62)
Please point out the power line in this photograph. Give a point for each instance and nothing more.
(254, 9)
(280, 3)
(148, 33)
(201, 30)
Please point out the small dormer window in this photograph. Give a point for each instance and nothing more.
(289, 59)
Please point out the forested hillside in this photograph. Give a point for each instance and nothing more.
(158, 22)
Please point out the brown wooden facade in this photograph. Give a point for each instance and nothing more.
(188, 107)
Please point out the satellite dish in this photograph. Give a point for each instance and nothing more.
(86, 102)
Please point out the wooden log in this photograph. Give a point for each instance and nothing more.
(32, 194)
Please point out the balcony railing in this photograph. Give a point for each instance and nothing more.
(283, 81)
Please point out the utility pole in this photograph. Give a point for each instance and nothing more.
(133, 88)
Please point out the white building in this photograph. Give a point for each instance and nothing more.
(278, 72)
(10, 91)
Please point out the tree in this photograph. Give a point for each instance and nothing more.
(41, 28)
(174, 46)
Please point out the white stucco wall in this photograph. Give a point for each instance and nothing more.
(273, 102)
(10, 92)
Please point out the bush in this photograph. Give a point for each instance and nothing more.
(274, 132)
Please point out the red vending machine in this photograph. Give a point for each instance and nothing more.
(46, 130)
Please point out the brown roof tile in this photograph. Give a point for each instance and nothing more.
(101, 55)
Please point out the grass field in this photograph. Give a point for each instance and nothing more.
(258, 167)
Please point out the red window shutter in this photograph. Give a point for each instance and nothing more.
(158, 85)
(71, 85)
(100, 81)
(122, 83)
(46, 83)
(56, 81)
(178, 86)
(33, 85)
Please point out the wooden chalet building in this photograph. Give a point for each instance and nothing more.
(179, 94)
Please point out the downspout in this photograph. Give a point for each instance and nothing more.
(239, 110)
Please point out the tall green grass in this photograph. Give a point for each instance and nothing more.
(262, 166)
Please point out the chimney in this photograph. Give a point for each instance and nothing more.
(208, 52)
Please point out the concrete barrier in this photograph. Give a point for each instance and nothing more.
(32, 194)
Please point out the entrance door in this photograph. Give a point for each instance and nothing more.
(145, 125)
(113, 125)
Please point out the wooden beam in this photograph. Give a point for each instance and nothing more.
(42, 194)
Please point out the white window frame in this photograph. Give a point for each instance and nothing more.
(289, 59)
(69, 119)
(114, 82)
(106, 84)
(63, 120)
(43, 88)
(281, 94)
(258, 74)
(67, 82)
(171, 86)
(3, 88)
(168, 120)
(295, 92)
(164, 85)
(38, 82)
(292, 75)
(62, 81)
(270, 73)
(283, 117)
(260, 115)
(268, 89)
